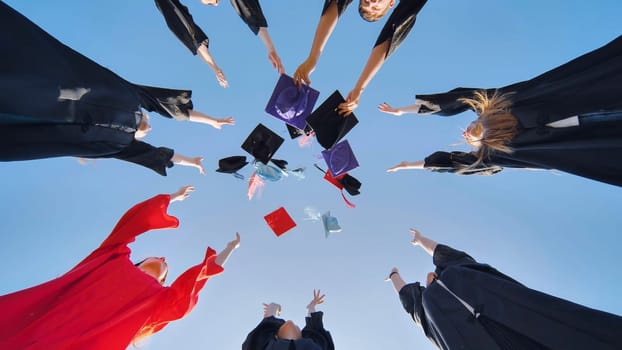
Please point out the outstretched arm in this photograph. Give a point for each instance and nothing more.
(272, 309)
(206, 57)
(396, 280)
(181, 194)
(325, 27)
(188, 161)
(420, 107)
(374, 63)
(273, 57)
(427, 244)
(223, 256)
(198, 117)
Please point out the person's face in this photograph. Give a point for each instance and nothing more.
(155, 267)
(376, 8)
(473, 134)
(289, 330)
(430, 278)
(210, 2)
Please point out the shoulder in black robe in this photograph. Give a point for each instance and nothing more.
(585, 85)
(399, 24)
(314, 336)
(341, 5)
(250, 12)
(74, 107)
(180, 22)
(506, 315)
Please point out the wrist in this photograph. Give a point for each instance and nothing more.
(393, 274)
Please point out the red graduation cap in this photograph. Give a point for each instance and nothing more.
(343, 181)
(280, 221)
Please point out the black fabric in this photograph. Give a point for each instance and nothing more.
(141, 153)
(262, 143)
(170, 103)
(509, 315)
(329, 126)
(351, 184)
(56, 102)
(341, 5)
(251, 13)
(230, 165)
(399, 24)
(585, 85)
(314, 336)
(180, 22)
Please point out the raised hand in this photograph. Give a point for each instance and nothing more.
(303, 71)
(317, 300)
(274, 58)
(223, 121)
(386, 108)
(196, 162)
(220, 76)
(182, 193)
(401, 166)
(416, 236)
(235, 243)
(272, 309)
(352, 102)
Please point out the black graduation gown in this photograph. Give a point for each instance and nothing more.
(180, 22)
(588, 84)
(55, 102)
(506, 315)
(250, 12)
(314, 336)
(397, 27)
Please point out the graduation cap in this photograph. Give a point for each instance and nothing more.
(292, 103)
(329, 126)
(343, 181)
(280, 221)
(262, 143)
(330, 223)
(231, 165)
(340, 158)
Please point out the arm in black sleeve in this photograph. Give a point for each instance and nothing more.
(314, 330)
(180, 22)
(411, 296)
(141, 153)
(250, 12)
(170, 103)
(445, 256)
(265, 331)
(341, 5)
(458, 163)
(399, 24)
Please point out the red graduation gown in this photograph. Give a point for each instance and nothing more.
(105, 300)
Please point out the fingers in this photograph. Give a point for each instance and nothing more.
(237, 237)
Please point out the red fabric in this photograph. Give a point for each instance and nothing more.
(335, 181)
(280, 221)
(105, 300)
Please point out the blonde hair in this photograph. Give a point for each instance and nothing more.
(495, 126)
(370, 16)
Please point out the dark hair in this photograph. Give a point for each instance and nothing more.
(370, 16)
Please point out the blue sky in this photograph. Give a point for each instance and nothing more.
(554, 232)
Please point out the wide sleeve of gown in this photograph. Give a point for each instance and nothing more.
(145, 216)
(411, 296)
(446, 256)
(182, 296)
(250, 12)
(314, 330)
(341, 5)
(261, 335)
(170, 103)
(399, 24)
(448, 104)
(141, 153)
(180, 22)
(457, 162)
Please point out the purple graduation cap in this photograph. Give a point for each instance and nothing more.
(340, 158)
(291, 103)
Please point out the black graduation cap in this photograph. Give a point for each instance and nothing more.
(294, 132)
(329, 126)
(262, 143)
(231, 165)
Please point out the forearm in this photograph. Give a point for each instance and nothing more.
(265, 38)
(374, 63)
(223, 256)
(198, 117)
(414, 108)
(325, 27)
(397, 281)
(426, 243)
(206, 56)
(418, 164)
